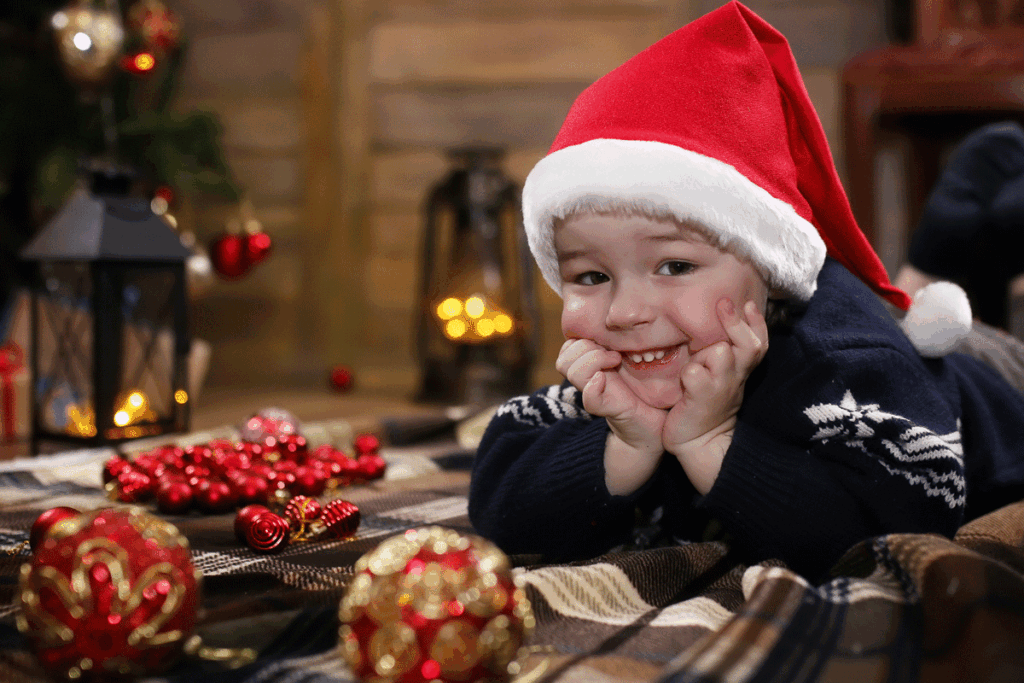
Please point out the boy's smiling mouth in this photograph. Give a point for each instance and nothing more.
(650, 358)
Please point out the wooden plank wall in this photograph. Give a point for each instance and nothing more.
(443, 74)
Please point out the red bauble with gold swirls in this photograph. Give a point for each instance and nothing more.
(433, 605)
(109, 594)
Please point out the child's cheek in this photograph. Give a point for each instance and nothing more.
(577, 317)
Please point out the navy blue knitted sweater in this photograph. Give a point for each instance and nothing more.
(845, 432)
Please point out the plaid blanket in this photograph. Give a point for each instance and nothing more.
(897, 608)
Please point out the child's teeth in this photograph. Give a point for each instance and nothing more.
(636, 357)
(648, 356)
(659, 354)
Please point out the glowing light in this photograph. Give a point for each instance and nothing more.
(122, 418)
(430, 669)
(455, 328)
(181, 396)
(135, 399)
(502, 324)
(449, 308)
(82, 41)
(474, 307)
(59, 20)
(485, 327)
(144, 61)
(159, 205)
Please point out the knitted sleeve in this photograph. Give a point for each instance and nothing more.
(538, 480)
(858, 446)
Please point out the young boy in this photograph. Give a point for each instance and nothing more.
(689, 196)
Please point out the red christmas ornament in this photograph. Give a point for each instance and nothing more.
(114, 467)
(215, 496)
(302, 511)
(340, 518)
(256, 248)
(133, 486)
(174, 497)
(371, 466)
(341, 378)
(47, 521)
(109, 594)
(433, 605)
(366, 443)
(227, 254)
(267, 532)
(244, 518)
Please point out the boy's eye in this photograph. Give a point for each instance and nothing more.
(675, 268)
(591, 277)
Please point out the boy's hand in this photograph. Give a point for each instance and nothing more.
(634, 446)
(698, 430)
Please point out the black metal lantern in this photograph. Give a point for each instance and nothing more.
(110, 332)
(477, 320)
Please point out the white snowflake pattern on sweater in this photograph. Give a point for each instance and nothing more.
(546, 406)
(900, 446)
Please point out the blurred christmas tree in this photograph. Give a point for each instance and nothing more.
(59, 114)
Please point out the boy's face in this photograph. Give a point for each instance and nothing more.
(648, 289)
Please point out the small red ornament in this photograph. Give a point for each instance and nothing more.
(139, 63)
(47, 521)
(302, 511)
(109, 594)
(267, 532)
(174, 497)
(227, 254)
(113, 467)
(159, 27)
(256, 248)
(215, 496)
(366, 443)
(133, 486)
(341, 378)
(340, 518)
(274, 423)
(244, 518)
(371, 466)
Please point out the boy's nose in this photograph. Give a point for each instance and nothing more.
(630, 306)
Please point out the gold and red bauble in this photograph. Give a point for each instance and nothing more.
(108, 594)
(433, 605)
(303, 519)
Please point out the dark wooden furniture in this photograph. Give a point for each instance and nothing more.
(965, 69)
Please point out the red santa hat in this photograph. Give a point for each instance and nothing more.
(712, 125)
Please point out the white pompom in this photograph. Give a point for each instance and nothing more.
(939, 318)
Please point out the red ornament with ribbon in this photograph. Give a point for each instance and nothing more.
(242, 246)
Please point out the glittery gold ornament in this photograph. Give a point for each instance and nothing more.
(108, 594)
(89, 41)
(433, 605)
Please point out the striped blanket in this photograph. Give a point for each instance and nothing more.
(897, 608)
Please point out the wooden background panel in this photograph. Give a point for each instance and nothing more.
(521, 116)
(503, 52)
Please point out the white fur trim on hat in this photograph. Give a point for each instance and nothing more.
(664, 179)
(938, 319)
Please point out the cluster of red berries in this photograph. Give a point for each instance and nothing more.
(304, 519)
(221, 475)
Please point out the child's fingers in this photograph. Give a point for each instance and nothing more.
(747, 331)
(591, 362)
(572, 350)
(695, 378)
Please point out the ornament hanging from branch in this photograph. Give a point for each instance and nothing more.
(242, 246)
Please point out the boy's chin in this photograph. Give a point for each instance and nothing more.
(656, 392)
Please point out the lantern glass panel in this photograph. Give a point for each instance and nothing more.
(64, 390)
(146, 393)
